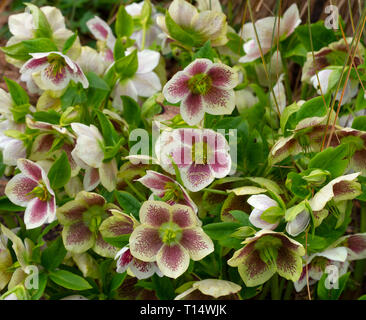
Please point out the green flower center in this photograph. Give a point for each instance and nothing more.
(268, 248)
(200, 83)
(93, 217)
(201, 152)
(173, 192)
(41, 192)
(57, 62)
(170, 233)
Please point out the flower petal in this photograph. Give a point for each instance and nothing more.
(34, 65)
(77, 237)
(291, 19)
(198, 66)
(219, 101)
(155, 181)
(177, 87)
(261, 202)
(155, 213)
(71, 212)
(255, 220)
(91, 179)
(116, 226)
(172, 260)
(55, 79)
(289, 264)
(30, 169)
(182, 12)
(36, 213)
(99, 28)
(141, 269)
(91, 198)
(145, 243)
(196, 177)
(222, 76)
(299, 224)
(124, 259)
(192, 109)
(146, 84)
(18, 188)
(184, 216)
(108, 174)
(103, 248)
(147, 60)
(221, 164)
(198, 243)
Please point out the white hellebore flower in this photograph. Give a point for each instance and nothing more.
(12, 149)
(52, 71)
(267, 30)
(91, 60)
(144, 83)
(89, 155)
(279, 98)
(261, 203)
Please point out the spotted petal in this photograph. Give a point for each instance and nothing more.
(183, 216)
(192, 108)
(71, 212)
(172, 260)
(197, 243)
(219, 101)
(18, 188)
(220, 164)
(104, 248)
(30, 169)
(108, 174)
(154, 213)
(196, 177)
(36, 214)
(222, 76)
(77, 237)
(91, 179)
(289, 264)
(177, 87)
(145, 243)
(141, 269)
(116, 226)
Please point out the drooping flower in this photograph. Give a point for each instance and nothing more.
(50, 135)
(11, 147)
(279, 97)
(89, 155)
(106, 40)
(144, 83)
(210, 288)
(52, 71)
(153, 32)
(268, 30)
(355, 245)
(31, 189)
(298, 224)
(322, 88)
(200, 155)
(167, 189)
(261, 203)
(202, 87)
(202, 26)
(204, 5)
(91, 60)
(139, 268)
(83, 218)
(169, 235)
(23, 26)
(317, 264)
(265, 254)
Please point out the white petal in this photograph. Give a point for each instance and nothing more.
(147, 60)
(261, 202)
(146, 84)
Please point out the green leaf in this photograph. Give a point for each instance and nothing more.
(127, 66)
(17, 51)
(69, 280)
(359, 123)
(313, 108)
(177, 32)
(220, 230)
(333, 293)
(96, 82)
(18, 94)
(331, 159)
(69, 43)
(43, 28)
(128, 203)
(206, 51)
(131, 111)
(297, 185)
(108, 131)
(54, 254)
(124, 23)
(42, 283)
(117, 281)
(50, 116)
(60, 172)
(7, 205)
(163, 287)
(272, 214)
(39, 45)
(241, 216)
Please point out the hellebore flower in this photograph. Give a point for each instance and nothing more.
(213, 5)
(265, 254)
(202, 26)
(279, 98)
(106, 40)
(89, 155)
(167, 189)
(152, 33)
(169, 235)
(144, 83)
(23, 26)
(82, 220)
(355, 245)
(202, 87)
(200, 155)
(317, 264)
(12, 148)
(140, 269)
(91, 61)
(261, 203)
(324, 77)
(209, 288)
(50, 135)
(52, 71)
(31, 188)
(267, 29)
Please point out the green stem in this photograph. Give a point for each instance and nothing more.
(215, 191)
(144, 28)
(138, 193)
(275, 292)
(265, 291)
(288, 290)
(360, 265)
